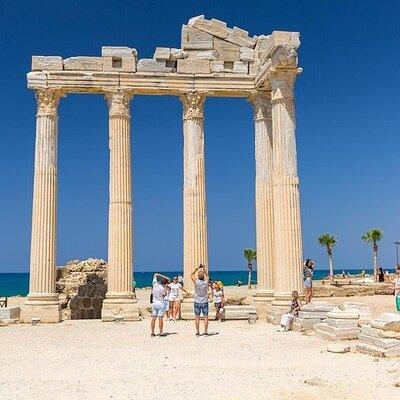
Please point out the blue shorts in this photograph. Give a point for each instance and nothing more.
(166, 305)
(158, 311)
(308, 283)
(200, 308)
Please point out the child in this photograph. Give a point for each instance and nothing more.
(287, 319)
(218, 297)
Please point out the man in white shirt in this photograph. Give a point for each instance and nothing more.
(158, 307)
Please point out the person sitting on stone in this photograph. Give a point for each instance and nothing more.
(158, 307)
(287, 319)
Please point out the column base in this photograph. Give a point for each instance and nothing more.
(113, 307)
(262, 299)
(46, 307)
(282, 299)
(187, 308)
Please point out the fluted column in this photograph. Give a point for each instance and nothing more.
(42, 299)
(194, 195)
(261, 102)
(287, 223)
(120, 299)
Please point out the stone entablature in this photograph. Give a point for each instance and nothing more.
(212, 58)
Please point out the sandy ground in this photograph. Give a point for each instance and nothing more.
(95, 360)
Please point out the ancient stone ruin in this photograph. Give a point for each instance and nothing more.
(82, 287)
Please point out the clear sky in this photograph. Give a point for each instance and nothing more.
(348, 130)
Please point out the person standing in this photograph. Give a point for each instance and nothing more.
(174, 301)
(308, 272)
(200, 297)
(158, 307)
(381, 275)
(396, 283)
(218, 297)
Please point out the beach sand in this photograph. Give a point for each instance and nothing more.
(88, 359)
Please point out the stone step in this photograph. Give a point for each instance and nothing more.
(378, 342)
(9, 312)
(304, 324)
(318, 307)
(336, 313)
(312, 314)
(239, 312)
(370, 331)
(342, 323)
(328, 332)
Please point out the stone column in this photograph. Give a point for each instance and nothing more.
(42, 299)
(261, 102)
(194, 193)
(287, 225)
(120, 299)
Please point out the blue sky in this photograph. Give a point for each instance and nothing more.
(348, 130)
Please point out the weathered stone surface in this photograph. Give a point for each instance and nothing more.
(325, 331)
(226, 51)
(162, 53)
(238, 312)
(150, 65)
(214, 27)
(240, 40)
(338, 348)
(194, 39)
(303, 324)
(382, 343)
(318, 306)
(177, 54)
(342, 323)
(387, 321)
(337, 313)
(187, 66)
(83, 63)
(202, 55)
(127, 64)
(246, 54)
(50, 63)
(118, 51)
(82, 286)
(312, 314)
(9, 312)
(236, 67)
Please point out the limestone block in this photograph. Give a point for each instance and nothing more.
(342, 323)
(274, 314)
(194, 39)
(382, 343)
(203, 55)
(337, 313)
(162, 53)
(50, 63)
(193, 19)
(304, 324)
(238, 312)
(318, 306)
(9, 312)
(370, 350)
(118, 51)
(187, 66)
(246, 54)
(46, 314)
(240, 31)
(150, 65)
(83, 63)
(127, 64)
(177, 54)
(240, 40)
(214, 27)
(387, 321)
(226, 51)
(325, 331)
(236, 67)
(312, 314)
(253, 67)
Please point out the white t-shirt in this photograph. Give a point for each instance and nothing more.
(397, 283)
(158, 293)
(174, 293)
(217, 296)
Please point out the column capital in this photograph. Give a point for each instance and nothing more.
(261, 102)
(119, 102)
(193, 106)
(48, 100)
(282, 84)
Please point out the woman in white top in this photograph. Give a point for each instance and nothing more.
(396, 283)
(218, 297)
(173, 297)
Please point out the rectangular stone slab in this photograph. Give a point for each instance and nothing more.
(226, 51)
(193, 39)
(150, 65)
(187, 66)
(342, 323)
(83, 64)
(312, 315)
(50, 63)
(379, 342)
(9, 312)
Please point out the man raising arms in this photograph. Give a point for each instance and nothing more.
(200, 297)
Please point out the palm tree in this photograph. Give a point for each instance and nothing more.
(328, 241)
(250, 255)
(373, 236)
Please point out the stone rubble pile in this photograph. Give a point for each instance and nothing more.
(340, 324)
(311, 314)
(382, 337)
(207, 47)
(82, 286)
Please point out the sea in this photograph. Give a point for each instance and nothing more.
(17, 284)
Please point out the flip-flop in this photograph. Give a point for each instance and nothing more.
(197, 333)
(153, 335)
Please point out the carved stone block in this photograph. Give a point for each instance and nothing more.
(50, 63)
(177, 54)
(194, 39)
(193, 66)
(214, 27)
(127, 64)
(118, 51)
(246, 54)
(236, 67)
(150, 65)
(240, 40)
(83, 63)
(226, 51)
(202, 55)
(162, 53)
